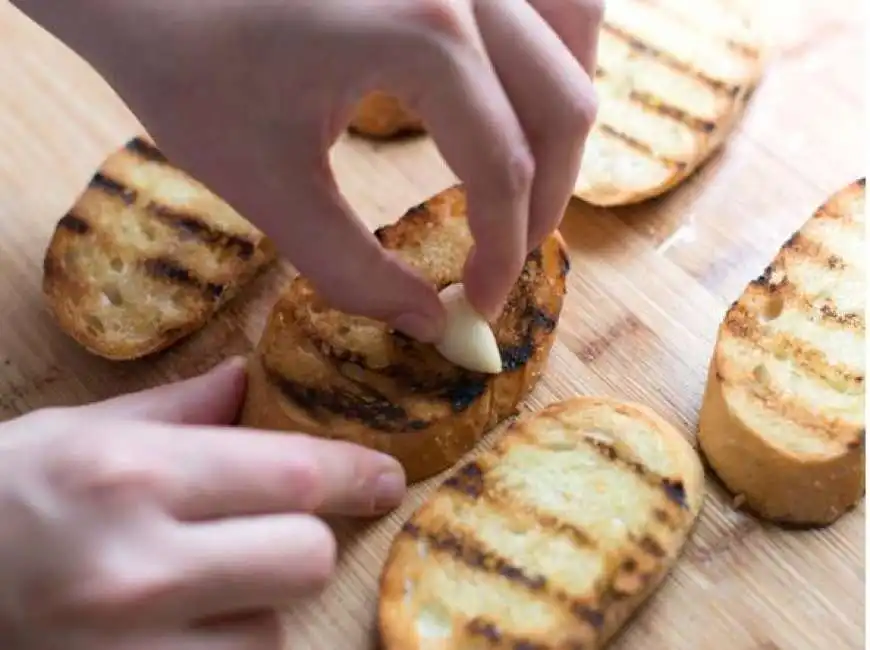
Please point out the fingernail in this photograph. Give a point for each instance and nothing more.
(418, 326)
(389, 490)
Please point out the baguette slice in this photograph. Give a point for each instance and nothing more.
(146, 256)
(329, 374)
(673, 78)
(782, 421)
(550, 540)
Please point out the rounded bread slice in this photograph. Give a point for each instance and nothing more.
(552, 539)
(782, 420)
(323, 372)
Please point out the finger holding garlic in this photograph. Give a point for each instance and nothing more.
(468, 339)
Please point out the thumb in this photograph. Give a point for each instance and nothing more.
(212, 398)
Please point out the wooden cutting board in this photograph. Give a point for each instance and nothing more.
(647, 291)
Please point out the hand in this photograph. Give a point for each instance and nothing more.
(250, 96)
(140, 524)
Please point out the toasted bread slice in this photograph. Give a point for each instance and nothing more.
(550, 540)
(146, 256)
(782, 421)
(329, 374)
(380, 115)
(673, 77)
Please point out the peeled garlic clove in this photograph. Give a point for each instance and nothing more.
(468, 339)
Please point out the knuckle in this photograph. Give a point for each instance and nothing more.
(437, 17)
(518, 171)
(592, 10)
(581, 111)
(302, 476)
(100, 468)
(114, 590)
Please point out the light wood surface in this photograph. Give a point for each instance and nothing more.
(648, 288)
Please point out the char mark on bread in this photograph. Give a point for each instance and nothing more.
(145, 150)
(165, 268)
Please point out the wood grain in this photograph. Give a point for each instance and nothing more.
(648, 288)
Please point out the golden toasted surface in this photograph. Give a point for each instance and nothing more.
(673, 76)
(787, 377)
(332, 374)
(551, 539)
(380, 115)
(146, 256)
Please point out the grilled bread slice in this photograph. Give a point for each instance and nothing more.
(673, 77)
(329, 374)
(382, 116)
(782, 420)
(146, 256)
(550, 540)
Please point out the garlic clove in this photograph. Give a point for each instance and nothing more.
(468, 339)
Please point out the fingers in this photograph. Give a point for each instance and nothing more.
(471, 119)
(342, 258)
(254, 563)
(577, 22)
(262, 632)
(208, 475)
(550, 91)
(211, 399)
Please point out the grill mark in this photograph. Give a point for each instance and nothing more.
(774, 280)
(803, 246)
(671, 61)
(197, 227)
(458, 387)
(640, 147)
(369, 408)
(477, 556)
(743, 49)
(743, 324)
(145, 150)
(673, 489)
(656, 104)
(102, 183)
(75, 224)
(186, 223)
(470, 481)
(169, 269)
(791, 410)
(482, 628)
(474, 554)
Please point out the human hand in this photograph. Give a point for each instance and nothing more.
(140, 524)
(249, 96)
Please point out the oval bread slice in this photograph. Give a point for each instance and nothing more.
(147, 256)
(782, 421)
(551, 539)
(326, 373)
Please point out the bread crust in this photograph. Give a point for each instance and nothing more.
(146, 256)
(381, 116)
(814, 472)
(325, 373)
(482, 535)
